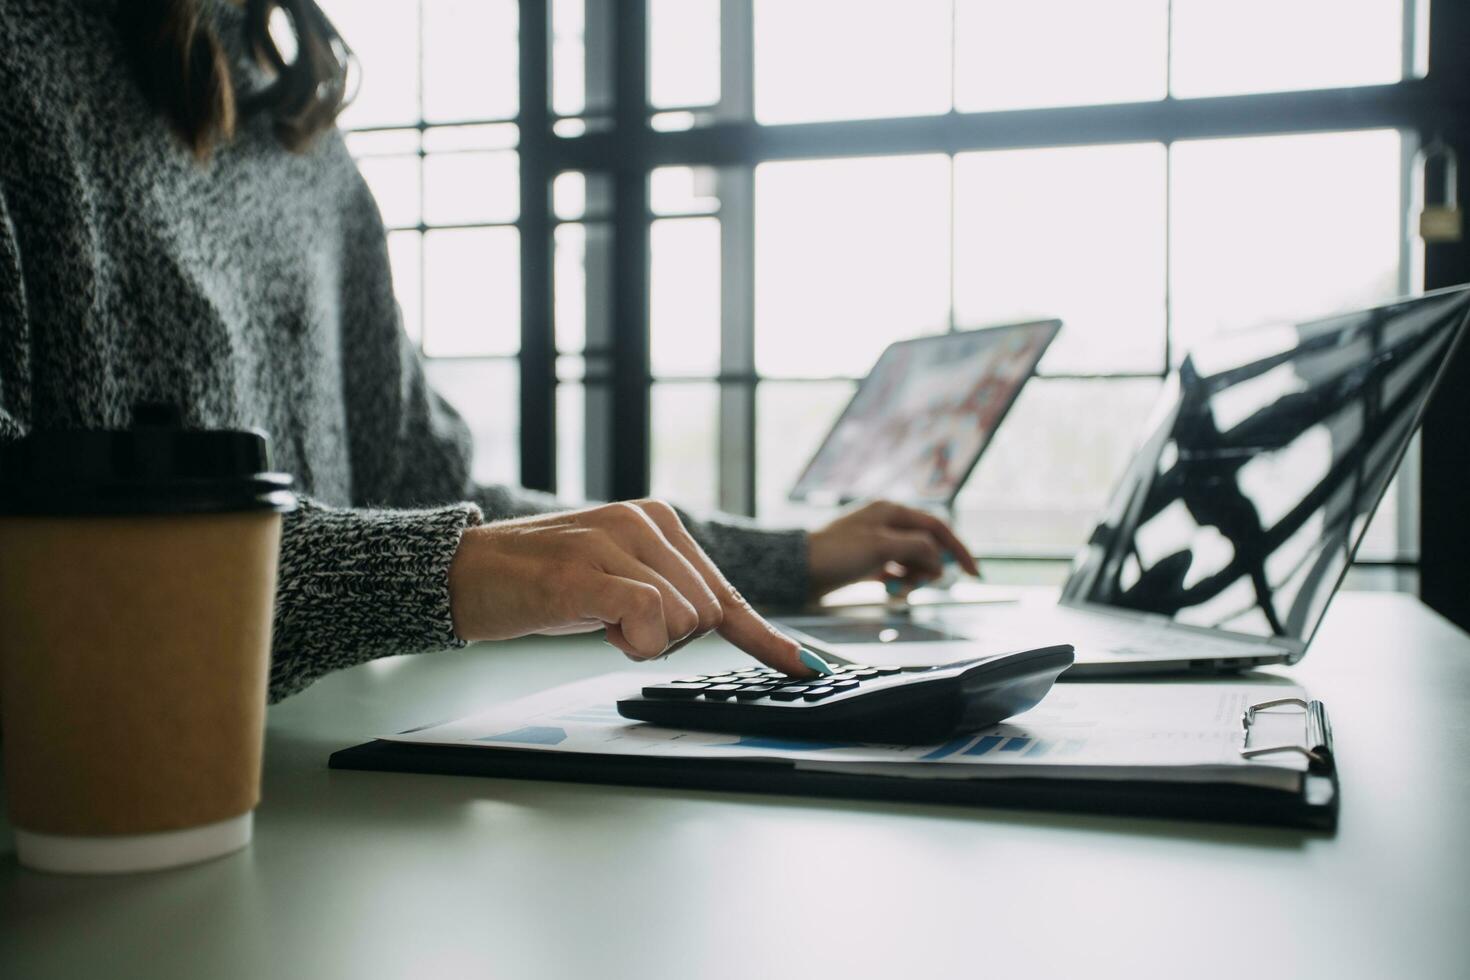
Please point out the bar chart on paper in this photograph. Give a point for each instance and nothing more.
(1014, 744)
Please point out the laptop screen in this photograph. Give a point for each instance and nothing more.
(1264, 461)
(921, 418)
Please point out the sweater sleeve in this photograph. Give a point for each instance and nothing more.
(358, 584)
(768, 566)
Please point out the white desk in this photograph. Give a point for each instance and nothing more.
(381, 875)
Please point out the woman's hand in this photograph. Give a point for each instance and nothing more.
(883, 540)
(629, 568)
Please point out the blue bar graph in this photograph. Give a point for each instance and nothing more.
(1016, 744)
(534, 735)
(1040, 748)
(985, 745)
(948, 748)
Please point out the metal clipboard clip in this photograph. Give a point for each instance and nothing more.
(1317, 745)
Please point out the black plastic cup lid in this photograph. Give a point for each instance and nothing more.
(156, 467)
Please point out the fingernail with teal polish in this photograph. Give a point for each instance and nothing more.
(894, 587)
(815, 662)
(948, 558)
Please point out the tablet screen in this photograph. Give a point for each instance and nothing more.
(920, 420)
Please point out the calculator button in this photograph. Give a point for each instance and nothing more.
(785, 694)
(721, 692)
(795, 687)
(844, 685)
(757, 685)
(885, 671)
(865, 672)
(818, 693)
(701, 679)
(679, 690)
(754, 692)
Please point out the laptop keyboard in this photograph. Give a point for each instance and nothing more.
(1099, 634)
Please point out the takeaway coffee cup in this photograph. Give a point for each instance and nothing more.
(137, 578)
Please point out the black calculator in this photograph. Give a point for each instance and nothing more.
(907, 706)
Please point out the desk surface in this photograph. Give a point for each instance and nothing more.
(385, 875)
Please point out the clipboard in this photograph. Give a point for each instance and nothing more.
(1314, 806)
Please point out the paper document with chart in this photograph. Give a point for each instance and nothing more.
(1161, 732)
(1244, 752)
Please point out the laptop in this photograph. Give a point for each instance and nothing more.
(1237, 519)
(918, 423)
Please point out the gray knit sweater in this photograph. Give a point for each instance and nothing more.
(252, 290)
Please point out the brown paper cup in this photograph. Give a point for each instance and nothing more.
(134, 653)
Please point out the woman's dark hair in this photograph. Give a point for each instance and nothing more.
(182, 67)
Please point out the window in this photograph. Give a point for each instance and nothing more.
(736, 204)
(433, 127)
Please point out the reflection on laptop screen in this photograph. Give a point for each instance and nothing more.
(921, 418)
(1266, 457)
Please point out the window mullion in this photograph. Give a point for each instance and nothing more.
(630, 436)
(736, 478)
(538, 339)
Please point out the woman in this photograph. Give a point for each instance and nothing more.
(180, 222)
